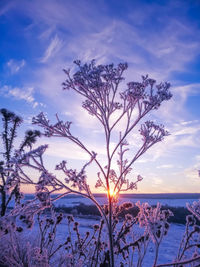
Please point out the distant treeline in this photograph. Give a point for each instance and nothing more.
(179, 217)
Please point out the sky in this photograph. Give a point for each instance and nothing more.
(160, 38)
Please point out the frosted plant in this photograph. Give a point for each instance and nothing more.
(87, 249)
(155, 222)
(45, 248)
(190, 242)
(19, 252)
(99, 85)
(9, 183)
(194, 208)
(189, 249)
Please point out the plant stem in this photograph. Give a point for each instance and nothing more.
(3, 203)
(111, 232)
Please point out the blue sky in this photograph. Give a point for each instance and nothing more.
(159, 38)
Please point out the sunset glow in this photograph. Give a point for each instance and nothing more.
(111, 192)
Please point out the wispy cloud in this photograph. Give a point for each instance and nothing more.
(156, 182)
(117, 39)
(26, 94)
(108, 45)
(65, 149)
(165, 166)
(15, 65)
(52, 49)
(145, 53)
(191, 175)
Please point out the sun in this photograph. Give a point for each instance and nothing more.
(111, 192)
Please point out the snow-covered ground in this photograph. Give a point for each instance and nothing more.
(168, 249)
(169, 246)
